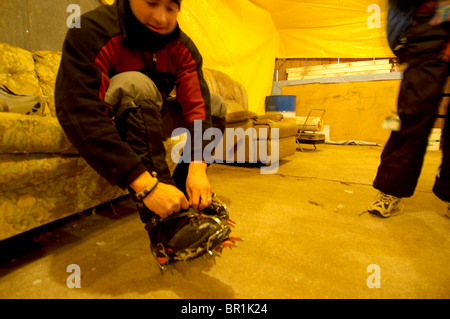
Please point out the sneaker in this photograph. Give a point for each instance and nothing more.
(385, 205)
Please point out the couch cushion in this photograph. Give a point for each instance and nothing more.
(240, 116)
(17, 70)
(32, 134)
(274, 116)
(47, 66)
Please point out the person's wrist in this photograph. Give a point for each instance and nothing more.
(143, 181)
(147, 190)
(198, 164)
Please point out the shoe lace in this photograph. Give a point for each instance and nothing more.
(388, 198)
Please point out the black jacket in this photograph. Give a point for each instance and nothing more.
(110, 41)
(399, 17)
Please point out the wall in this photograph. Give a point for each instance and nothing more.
(38, 24)
(354, 110)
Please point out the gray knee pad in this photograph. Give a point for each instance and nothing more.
(136, 103)
(128, 88)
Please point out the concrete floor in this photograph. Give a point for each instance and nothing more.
(305, 230)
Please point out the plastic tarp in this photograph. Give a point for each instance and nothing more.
(237, 38)
(329, 28)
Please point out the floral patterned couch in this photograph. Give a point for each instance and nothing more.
(42, 176)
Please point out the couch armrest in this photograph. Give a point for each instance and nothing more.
(241, 116)
(21, 133)
(272, 116)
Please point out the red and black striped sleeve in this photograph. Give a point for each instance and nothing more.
(79, 90)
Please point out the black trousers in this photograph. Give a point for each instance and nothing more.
(144, 120)
(420, 93)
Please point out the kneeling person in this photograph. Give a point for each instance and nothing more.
(113, 101)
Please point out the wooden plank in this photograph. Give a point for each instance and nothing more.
(346, 70)
(282, 65)
(360, 68)
(339, 66)
(336, 75)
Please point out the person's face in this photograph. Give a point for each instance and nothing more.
(158, 15)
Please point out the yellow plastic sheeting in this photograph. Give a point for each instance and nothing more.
(237, 38)
(329, 28)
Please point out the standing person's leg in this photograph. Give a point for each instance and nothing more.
(402, 157)
(441, 186)
(420, 91)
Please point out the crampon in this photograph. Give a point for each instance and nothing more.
(193, 233)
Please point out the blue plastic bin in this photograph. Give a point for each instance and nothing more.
(280, 103)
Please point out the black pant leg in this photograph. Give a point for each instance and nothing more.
(419, 96)
(441, 186)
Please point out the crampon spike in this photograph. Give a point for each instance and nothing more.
(161, 260)
(236, 239)
(228, 243)
(230, 222)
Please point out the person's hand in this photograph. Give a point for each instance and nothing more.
(198, 188)
(164, 199)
